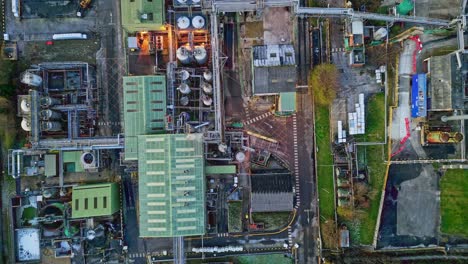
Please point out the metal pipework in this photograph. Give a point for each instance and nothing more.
(453, 118)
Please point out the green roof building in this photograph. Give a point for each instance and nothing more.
(95, 200)
(72, 161)
(287, 103)
(144, 109)
(171, 185)
(142, 15)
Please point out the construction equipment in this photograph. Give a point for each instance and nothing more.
(84, 5)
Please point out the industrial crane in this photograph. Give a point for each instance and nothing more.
(84, 5)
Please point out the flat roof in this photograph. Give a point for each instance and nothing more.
(95, 200)
(220, 169)
(274, 80)
(50, 165)
(287, 102)
(142, 15)
(28, 246)
(144, 109)
(72, 161)
(171, 185)
(441, 83)
(272, 192)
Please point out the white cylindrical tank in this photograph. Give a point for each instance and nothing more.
(184, 88)
(87, 159)
(200, 54)
(198, 22)
(195, 2)
(26, 125)
(184, 100)
(31, 79)
(183, 22)
(184, 75)
(207, 88)
(183, 55)
(207, 100)
(50, 115)
(49, 101)
(25, 106)
(51, 126)
(380, 33)
(240, 156)
(208, 76)
(182, 2)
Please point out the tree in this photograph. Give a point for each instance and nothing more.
(323, 84)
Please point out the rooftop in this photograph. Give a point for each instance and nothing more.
(144, 109)
(445, 84)
(29, 248)
(142, 15)
(171, 185)
(95, 200)
(274, 80)
(272, 192)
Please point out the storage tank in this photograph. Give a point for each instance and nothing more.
(183, 55)
(52, 215)
(240, 156)
(31, 79)
(184, 88)
(50, 115)
(25, 105)
(51, 126)
(207, 100)
(195, 2)
(208, 76)
(26, 125)
(182, 2)
(439, 137)
(183, 22)
(184, 100)
(88, 160)
(198, 22)
(184, 75)
(200, 54)
(48, 101)
(207, 88)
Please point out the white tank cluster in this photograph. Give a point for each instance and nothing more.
(186, 23)
(186, 56)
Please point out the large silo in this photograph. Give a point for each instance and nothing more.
(183, 22)
(183, 55)
(200, 54)
(198, 22)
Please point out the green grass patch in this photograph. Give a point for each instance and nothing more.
(234, 216)
(62, 50)
(324, 164)
(363, 225)
(273, 220)
(263, 259)
(375, 120)
(453, 202)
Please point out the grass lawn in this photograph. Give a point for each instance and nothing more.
(324, 164)
(375, 120)
(62, 50)
(8, 129)
(377, 168)
(234, 216)
(453, 202)
(263, 259)
(273, 220)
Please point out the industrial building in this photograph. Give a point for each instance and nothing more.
(95, 200)
(171, 185)
(272, 191)
(142, 15)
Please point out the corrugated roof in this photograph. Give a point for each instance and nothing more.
(144, 109)
(95, 200)
(273, 55)
(273, 80)
(50, 165)
(171, 185)
(222, 169)
(133, 14)
(271, 192)
(287, 102)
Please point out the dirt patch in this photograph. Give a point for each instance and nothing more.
(63, 50)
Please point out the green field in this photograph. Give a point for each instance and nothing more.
(364, 226)
(375, 119)
(234, 216)
(273, 220)
(453, 202)
(324, 164)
